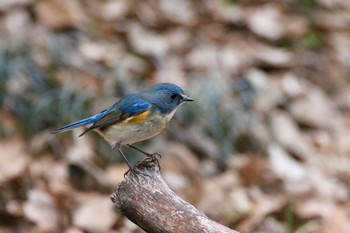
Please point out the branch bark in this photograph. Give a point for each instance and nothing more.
(145, 199)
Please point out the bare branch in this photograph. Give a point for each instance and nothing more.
(147, 201)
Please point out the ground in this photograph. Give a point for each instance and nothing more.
(264, 147)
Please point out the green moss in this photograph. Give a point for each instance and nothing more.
(308, 3)
(311, 40)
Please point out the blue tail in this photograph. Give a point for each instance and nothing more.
(86, 121)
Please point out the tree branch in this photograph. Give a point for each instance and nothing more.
(145, 199)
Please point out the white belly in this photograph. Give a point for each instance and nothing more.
(128, 133)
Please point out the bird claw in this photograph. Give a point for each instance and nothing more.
(155, 156)
(131, 169)
(127, 172)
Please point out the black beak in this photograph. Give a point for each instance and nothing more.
(186, 98)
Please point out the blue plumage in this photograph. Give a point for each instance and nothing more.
(86, 121)
(135, 117)
(131, 104)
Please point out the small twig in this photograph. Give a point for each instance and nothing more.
(147, 201)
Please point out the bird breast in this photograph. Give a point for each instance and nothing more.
(129, 132)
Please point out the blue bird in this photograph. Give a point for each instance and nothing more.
(135, 117)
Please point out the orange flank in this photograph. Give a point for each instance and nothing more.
(141, 117)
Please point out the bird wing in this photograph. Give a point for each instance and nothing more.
(86, 121)
(130, 109)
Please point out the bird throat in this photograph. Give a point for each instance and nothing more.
(170, 115)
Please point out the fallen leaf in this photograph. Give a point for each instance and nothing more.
(95, 214)
(13, 159)
(315, 110)
(266, 21)
(41, 209)
(284, 165)
(56, 14)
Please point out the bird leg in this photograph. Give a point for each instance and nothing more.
(127, 162)
(154, 155)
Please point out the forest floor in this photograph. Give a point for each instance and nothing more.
(264, 148)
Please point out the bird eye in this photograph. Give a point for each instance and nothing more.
(173, 96)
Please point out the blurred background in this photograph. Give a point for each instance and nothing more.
(264, 148)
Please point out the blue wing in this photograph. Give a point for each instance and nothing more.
(86, 121)
(129, 106)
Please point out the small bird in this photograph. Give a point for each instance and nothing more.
(135, 117)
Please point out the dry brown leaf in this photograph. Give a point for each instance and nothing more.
(253, 171)
(271, 56)
(333, 218)
(285, 166)
(53, 172)
(328, 187)
(262, 205)
(147, 42)
(268, 93)
(202, 57)
(13, 159)
(172, 71)
(18, 25)
(73, 230)
(315, 110)
(42, 210)
(292, 85)
(114, 9)
(8, 4)
(100, 51)
(266, 21)
(224, 198)
(115, 173)
(178, 157)
(178, 39)
(289, 136)
(95, 214)
(342, 4)
(82, 150)
(338, 19)
(232, 58)
(341, 45)
(231, 13)
(56, 14)
(179, 11)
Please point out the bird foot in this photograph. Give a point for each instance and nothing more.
(154, 156)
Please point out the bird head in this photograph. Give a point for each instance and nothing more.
(166, 96)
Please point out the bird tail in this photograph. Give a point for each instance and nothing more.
(86, 121)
